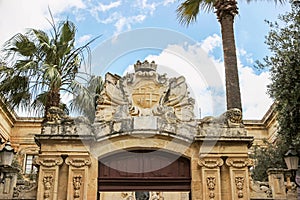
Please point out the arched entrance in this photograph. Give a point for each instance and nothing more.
(143, 171)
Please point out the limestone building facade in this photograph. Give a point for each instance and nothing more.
(145, 143)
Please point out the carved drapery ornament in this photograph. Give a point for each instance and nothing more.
(49, 161)
(78, 162)
(239, 162)
(211, 184)
(239, 182)
(128, 196)
(48, 182)
(77, 181)
(210, 162)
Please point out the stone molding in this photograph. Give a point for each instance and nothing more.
(239, 162)
(210, 162)
(78, 162)
(49, 161)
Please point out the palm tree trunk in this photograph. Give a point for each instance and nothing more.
(53, 100)
(226, 10)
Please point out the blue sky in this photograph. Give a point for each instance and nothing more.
(119, 21)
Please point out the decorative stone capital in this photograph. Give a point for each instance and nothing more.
(239, 162)
(78, 162)
(210, 162)
(49, 161)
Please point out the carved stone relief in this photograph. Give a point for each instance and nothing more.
(211, 184)
(78, 162)
(239, 162)
(49, 161)
(48, 182)
(77, 181)
(239, 182)
(210, 162)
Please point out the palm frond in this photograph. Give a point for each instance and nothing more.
(188, 10)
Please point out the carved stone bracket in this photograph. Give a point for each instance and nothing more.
(49, 161)
(78, 162)
(210, 162)
(239, 162)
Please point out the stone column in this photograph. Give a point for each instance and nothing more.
(239, 177)
(78, 177)
(276, 182)
(48, 176)
(211, 179)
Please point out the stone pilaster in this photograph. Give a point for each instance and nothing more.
(78, 177)
(239, 177)
(48, 177)
(276, 182)
(211, 179)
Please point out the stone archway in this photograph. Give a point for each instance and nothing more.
(144, 170)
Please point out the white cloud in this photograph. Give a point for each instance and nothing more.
(83, 39)
(145, 6)
(124, 23)
(103, 8)
(166, 2)
(17, 15)
(211, 42)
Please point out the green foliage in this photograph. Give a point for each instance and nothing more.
(284, 42)
(38, 67)
(268, 156)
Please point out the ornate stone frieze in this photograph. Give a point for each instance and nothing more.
(211, 184)
(210, 162)
(78, 162)
(239, 162)
(77, 181)
(239, 183)
(48, 182)
(49, 161)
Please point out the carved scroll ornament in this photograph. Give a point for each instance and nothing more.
(239, 162)
(210, 162)
(49, 161)
(78, 162)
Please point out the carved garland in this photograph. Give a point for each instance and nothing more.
(211, 184)
(78, 162)
(210, 162)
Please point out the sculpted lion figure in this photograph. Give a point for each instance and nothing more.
(231, 118)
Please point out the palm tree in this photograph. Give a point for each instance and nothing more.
(39, 67)
(225, 11)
